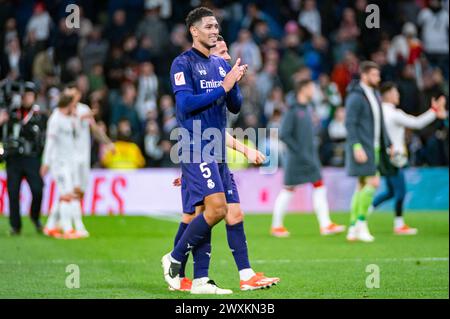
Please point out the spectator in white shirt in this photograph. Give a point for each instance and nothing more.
(246, 49)
(396, 121)
(40, 23)
(434, 22)
(152, 146)
(11, 62)
(147, 90)
(309, 18)
(332, 151)
(402, 44)
(336, 129)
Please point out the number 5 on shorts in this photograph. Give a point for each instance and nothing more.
(205, 170)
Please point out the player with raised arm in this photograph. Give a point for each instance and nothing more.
(396, 121)
(249, 280)
(204, 86)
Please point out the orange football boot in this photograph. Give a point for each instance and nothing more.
(258, 281)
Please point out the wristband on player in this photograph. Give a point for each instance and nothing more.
(357, 147)
(434, 109)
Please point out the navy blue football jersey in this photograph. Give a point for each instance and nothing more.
(194, 72)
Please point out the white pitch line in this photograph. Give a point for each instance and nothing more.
(344, 260)
(256, 261)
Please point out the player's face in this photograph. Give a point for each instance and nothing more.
(372, 77)
(74, 92)
(206, 31)
(393, 96)
(221, 49)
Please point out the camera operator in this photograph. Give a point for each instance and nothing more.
(22, 127)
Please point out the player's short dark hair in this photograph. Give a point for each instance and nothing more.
(387, 86)
(220, 38)
(300, 85)
(71, 85)
(65, 100)
(124, 119)
(197, 14)
(366, 66)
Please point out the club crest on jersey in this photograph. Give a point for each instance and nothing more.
(222, 72)
(179, 78)
(211, 184)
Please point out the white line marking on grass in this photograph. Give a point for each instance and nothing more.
(351, 260)
(255, 261)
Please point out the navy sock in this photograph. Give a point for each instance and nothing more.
(399, 208)
(180, 232)
(194, 234)
(202, 257)
(238, 245)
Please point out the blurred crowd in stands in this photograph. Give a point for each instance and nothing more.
(121, 55)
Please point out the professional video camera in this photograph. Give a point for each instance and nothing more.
(11, 93)
(19, 137)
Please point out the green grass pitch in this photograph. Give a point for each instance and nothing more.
(121, 259)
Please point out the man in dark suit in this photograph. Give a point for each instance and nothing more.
(366, 145)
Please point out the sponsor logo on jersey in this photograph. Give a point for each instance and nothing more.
(210, 84)
(179, 78)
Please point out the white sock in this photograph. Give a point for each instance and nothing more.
(246, 274)
(53, 217)
(200, 281)
(65, 210)
(399, 222)
(362, 226)
(77, 216)
(320, 204)
(174, 260)
(281, 205)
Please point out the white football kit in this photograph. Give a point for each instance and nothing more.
(82, 159)
(59, 150)
(64, 155)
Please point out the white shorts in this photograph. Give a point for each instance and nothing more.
(81, 174)
(64, 178)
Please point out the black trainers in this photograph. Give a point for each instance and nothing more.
(14, 232)
(38, 226)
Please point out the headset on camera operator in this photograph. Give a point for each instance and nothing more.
(22, 131)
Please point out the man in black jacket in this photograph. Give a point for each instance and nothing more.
(23, 131)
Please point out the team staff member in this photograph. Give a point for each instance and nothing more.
(25, 135)
(366, 144)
